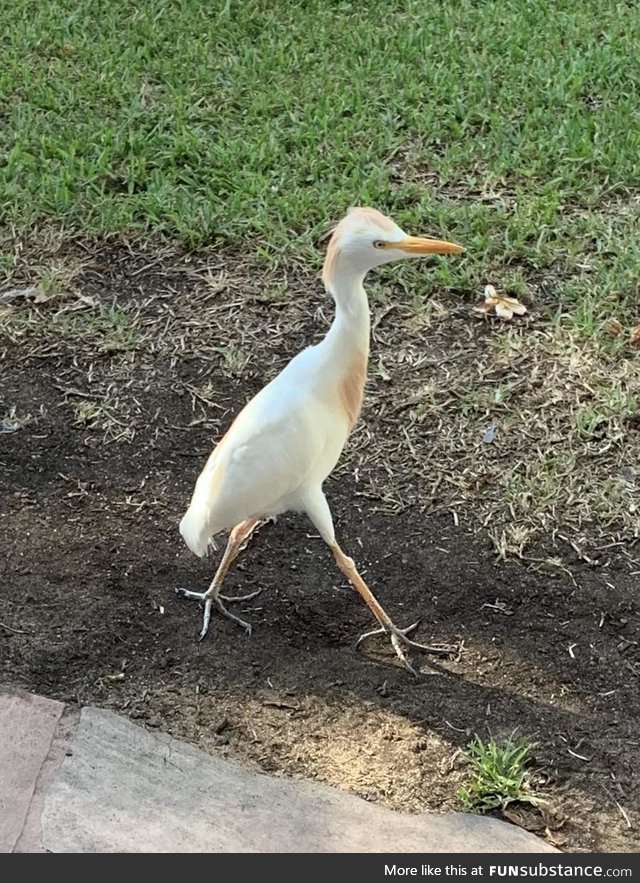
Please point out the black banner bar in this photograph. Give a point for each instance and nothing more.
(304, 868)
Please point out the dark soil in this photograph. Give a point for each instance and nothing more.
(88, 612)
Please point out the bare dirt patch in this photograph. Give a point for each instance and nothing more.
(114, 386)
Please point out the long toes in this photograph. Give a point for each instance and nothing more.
(410, 628)
(444, 650)
(241, 597)
(204, 630)
(241, 622)
(246, 626)
(402, 655)
(399, 640)
(370, 634)
(187, 593)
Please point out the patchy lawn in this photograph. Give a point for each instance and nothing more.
(113, 393)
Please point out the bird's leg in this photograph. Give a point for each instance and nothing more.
(398, 636)
(243, 533)
(238, 539)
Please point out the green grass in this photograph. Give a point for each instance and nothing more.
(258, 123)
(112, 328)
(511, 126)
(498, 775)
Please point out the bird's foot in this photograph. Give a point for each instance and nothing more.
(399, 638)
(209, 601)
(241, 597)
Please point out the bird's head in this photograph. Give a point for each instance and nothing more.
(365, 238)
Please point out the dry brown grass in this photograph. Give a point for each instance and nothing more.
(527, 429)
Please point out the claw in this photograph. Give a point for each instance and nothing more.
(399, 637)
(402, 655)
(209, 600)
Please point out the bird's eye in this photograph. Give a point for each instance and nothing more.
(379, 243)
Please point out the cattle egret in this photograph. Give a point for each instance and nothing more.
(288, 438)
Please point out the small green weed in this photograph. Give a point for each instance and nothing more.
(498, 775)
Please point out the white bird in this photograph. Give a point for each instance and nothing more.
(289, 437)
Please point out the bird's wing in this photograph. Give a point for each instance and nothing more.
(285, 433)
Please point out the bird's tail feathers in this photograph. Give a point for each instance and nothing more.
(195, 529)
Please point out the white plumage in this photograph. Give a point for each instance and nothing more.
(280, 447)
(289, 437)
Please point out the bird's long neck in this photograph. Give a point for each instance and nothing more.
(347, 342)
(349, 332)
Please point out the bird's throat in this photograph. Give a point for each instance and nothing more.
(347, 343)
(349, 333)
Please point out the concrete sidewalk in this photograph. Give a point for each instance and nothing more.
(95, 782)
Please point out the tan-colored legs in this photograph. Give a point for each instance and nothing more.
(348, 567)
(237, 541)
(398, 636)
(321, 516)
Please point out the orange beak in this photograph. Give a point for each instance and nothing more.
(422, 245)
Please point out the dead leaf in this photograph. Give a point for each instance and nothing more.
(552, 818)
(614, 327)
(634, 337)
(527, 818)
(554, 839)
(505, 307)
